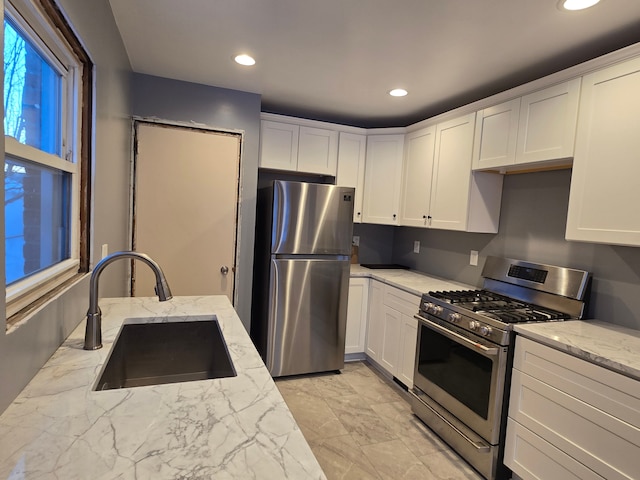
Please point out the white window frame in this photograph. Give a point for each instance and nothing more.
(33, 23)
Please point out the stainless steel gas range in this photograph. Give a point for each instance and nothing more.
(465, 351)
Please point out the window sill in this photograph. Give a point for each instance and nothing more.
(19, 318)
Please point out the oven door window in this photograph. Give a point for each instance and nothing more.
(461, 372)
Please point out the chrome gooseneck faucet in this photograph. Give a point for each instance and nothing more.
(93, 333)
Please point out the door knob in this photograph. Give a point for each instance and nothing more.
(224, 269)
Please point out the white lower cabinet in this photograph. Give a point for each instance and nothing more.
(375, 327)
(569, 418)
(390, 339)
(392, 331)
(358, 307)
(407, 354)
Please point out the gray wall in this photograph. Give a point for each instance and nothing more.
(179, 101)
(532, 226)
(376, 242)
(26, 347)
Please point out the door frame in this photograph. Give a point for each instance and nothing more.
(136, 120)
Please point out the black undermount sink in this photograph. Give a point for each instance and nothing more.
(169, 352)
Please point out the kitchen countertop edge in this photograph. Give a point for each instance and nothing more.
(605, 344)
(410, 281)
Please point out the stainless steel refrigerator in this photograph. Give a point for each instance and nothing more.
(301, 276)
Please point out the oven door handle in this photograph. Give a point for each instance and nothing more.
(456, 337)
(481, 447)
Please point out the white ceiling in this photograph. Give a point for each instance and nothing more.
(336, 60)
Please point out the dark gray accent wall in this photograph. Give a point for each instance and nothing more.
(177, 101)
(376, 242)
(532, 227)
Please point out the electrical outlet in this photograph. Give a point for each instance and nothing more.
(416, 246)
(473, 258)
(356, 241)
(105, 250)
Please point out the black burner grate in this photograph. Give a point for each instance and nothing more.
(499, 307)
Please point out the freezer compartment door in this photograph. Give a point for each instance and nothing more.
(311, 219)
(307, 316)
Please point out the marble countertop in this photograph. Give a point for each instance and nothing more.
(228, 428)
(611, 346)
(410, 281)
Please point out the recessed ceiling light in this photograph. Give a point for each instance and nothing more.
(398, 92)
(245, 60)
(577, 4)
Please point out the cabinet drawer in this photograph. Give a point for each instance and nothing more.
(605, 444)
(403, 302)
(531, 457)
(614, 394)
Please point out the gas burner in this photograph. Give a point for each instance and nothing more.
(468, 296)
(535, 314)
(488, 304)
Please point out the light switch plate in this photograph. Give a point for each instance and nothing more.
(105, 250)
(473, 258)
(416, 246)
(356, 241)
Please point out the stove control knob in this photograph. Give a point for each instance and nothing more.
(486, 331)
(473, 325)
(428, 306)
(437, 309)
(454, 317)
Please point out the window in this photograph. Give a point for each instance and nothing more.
(46, 126)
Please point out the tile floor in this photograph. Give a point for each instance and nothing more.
(360, 426)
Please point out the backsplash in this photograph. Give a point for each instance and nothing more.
(376, 242)
(532, 227)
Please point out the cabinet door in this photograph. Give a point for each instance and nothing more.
(452, 173)
(390, 351)
(496, 135)
(279, 145)
(417, 175)
(317, 151)
(382, 179)
(604, 195)
(375, 327)
(407, 351)
(357, 315)
(351, 157)
(547, 126)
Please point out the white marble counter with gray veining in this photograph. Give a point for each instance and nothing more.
(228, 428)
(410, 281)
(611, 346)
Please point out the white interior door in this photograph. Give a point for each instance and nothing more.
(185, 205)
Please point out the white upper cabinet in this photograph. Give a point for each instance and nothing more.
(461, 200)
(539, 127)
(279, 145)
(496, 135)
(383, 179)
(417, 175)
(439, 188)
(351, 158)
(604, 198)
(318, 151)
(285, 146)
(547, 126)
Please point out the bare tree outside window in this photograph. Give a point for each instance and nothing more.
(36, 211)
